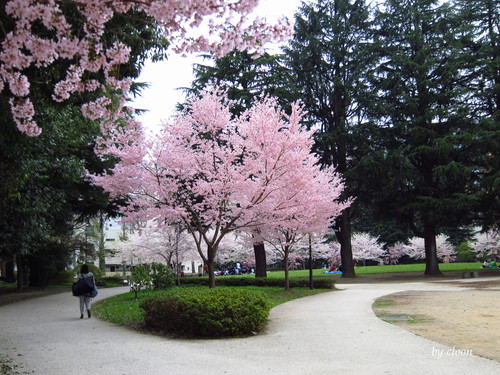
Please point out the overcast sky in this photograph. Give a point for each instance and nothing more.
(167, 76)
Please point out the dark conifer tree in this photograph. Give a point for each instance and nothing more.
(434, 150)
(329, 57)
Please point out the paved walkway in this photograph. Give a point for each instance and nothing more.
(332, 333)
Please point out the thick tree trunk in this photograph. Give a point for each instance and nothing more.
(9, 271)
(260, 260)
(343, 234)
(431, 259)
(22, 277)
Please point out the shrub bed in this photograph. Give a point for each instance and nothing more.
(195, 312)
(257, 281)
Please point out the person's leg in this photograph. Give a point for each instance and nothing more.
(81, 306)
(87, 304)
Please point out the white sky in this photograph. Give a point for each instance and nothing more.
(167, 76)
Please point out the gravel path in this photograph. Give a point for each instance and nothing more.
(330, 333)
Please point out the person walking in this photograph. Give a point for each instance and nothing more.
(85, 298)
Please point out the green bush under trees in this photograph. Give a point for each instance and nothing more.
(194, 312)
(151, 276)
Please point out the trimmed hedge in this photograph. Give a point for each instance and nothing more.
(260, 281)
(195, 312)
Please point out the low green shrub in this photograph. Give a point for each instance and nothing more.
(161, 276)
(140, 279)
(261, 281)
(195, 312)
(110, 280)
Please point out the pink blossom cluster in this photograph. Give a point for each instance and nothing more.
(366, 247)
(220, 174)
(22, 48)
(395, 252)
(486, 244)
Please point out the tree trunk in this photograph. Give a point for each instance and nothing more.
(343, 234)
(211, 275)
(260, 260)
(431, 259)
(22, 277)
(287, 279)
(9, 271)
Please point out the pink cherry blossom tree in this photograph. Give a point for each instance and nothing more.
(366, 247)
(445, 250)
(306, 207)
(395, 252)
(218, 173)
(486, 244)
(59, 31)
(167, 244)
(331, 252)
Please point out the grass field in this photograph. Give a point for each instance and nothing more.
(398, 268)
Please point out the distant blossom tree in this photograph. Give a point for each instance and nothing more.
(42, 33)
(235, 249)
(365, 247)
(486, 244)
(218, 173)
(395, 252)
(445, 251)
(330, 251)
(168, 245)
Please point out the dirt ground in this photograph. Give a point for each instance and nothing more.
(467, 320)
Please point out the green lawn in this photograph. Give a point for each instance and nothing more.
(420, 267)
(124, 309)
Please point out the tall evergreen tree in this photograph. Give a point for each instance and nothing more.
(245, 77)
(433, 149)
(481, 59)
(329, 58)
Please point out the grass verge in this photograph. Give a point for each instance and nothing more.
(124, 309)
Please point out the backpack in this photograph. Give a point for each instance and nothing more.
(82, 286)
